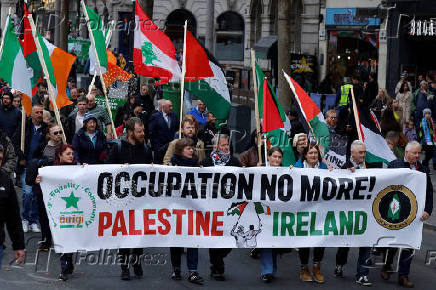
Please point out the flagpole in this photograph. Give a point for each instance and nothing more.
(310, 127)
(99, 69)
(256, 106)
(4, 32)
(108, 39)
(265, 150)
(46, 75)
(357, 119)
(23, 126)
(182, 83)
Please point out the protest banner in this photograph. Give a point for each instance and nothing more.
(118, 206)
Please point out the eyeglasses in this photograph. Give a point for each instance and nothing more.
(57, 133)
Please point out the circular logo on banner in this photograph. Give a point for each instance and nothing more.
(395, 207)
(71, 206)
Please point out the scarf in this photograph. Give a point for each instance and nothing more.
(306, 165)
(428, 131)
(220, 158)
(182, 161)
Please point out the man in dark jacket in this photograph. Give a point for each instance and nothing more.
(36, 131)
(9, 156)
(131, 151)
(356, 162)
(146, 99)
(10, 117)
(411, 161)
(220, 156)
(10, 215)
(162, 127)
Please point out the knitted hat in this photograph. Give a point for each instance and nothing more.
(426, 111)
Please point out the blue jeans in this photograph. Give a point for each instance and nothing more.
(268, 261)
(29, 212)
(363, 261)
(191, 258)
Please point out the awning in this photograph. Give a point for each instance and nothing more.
(263, 46)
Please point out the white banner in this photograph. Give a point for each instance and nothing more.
(114, 206)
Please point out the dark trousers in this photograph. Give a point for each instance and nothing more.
(362, 262)
(304, 253)
(406, 257)
(43, 221)
(216, 257)
(131, 257)
(67, 265)
(191, 258)
(428, 149)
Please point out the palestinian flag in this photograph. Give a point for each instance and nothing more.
(30, 52)
(262, 209)
(312, 114)
(377, 149)
(237, 208)
(271, 119)
(58, 63)
(153, 52)
(278, 137)
(13, 65)
(96, 29)
(205, 79)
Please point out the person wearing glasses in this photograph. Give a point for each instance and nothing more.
(44, 156)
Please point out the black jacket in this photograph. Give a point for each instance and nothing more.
(85, 151)
(348, 164)
(160, 134)
(400, 163)
(232, 162)
(10, 213)
(128, 153)
(28, 135)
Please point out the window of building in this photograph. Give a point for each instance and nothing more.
(230, 37)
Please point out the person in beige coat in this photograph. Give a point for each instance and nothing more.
(188, 130)
(404, 98)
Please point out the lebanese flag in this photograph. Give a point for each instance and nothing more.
(312, 114)
(153, 52)
(271, 116)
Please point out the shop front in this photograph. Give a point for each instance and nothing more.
(353, 44)
(411, 42)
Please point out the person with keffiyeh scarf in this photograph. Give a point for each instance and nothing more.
(427, 135)
(220, 156)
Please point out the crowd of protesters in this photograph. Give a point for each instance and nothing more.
(150, 134)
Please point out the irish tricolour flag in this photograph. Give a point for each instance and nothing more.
(13, 67)
(260, 208)
(312, 114)
(153, 52)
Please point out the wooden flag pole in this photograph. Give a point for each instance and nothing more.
(256, 106)
(46, 76)
(23, 127)
(357, 119)
(4, 32)
(182, 81)
(99, 70)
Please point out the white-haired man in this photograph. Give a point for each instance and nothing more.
(411, 161)
(356, 162)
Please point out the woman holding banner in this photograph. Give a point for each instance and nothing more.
(64, 155)
(311, 158)
(184, 156)
(268, 257)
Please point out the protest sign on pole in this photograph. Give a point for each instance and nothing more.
(116, 206)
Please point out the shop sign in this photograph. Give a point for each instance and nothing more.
(423, 27)
(347, 17)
